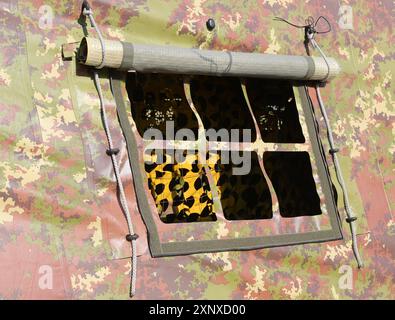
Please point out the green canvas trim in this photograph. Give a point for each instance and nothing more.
(322, 165)
(138, 180)
(128, 57)
(243, 244)
(159, 249)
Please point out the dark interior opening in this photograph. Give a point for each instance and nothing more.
(243, 197)
(274, 107)
(292, 178)
(158, 98)
(221, 105)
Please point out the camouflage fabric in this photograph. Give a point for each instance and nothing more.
(61, 227)
(180, 190)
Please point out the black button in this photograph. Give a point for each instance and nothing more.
(210, 24)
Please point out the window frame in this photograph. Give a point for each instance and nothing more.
(161, 249)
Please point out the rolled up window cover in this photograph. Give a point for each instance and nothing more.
(169, 59)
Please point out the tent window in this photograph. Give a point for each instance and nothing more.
(194, 207)
(181, 190)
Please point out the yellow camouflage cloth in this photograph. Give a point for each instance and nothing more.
(181, 187)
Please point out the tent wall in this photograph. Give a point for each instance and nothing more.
(59, 214)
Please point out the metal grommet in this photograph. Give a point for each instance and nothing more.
(131, 237)
(111, 152)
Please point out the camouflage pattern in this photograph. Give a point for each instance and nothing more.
(180, 190)
(60, 218)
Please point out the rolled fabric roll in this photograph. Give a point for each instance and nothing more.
(169, 59)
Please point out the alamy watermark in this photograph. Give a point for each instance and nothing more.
(45, 21)
(345, 17)
(45, 280)
(346, 278)
(241, 160)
